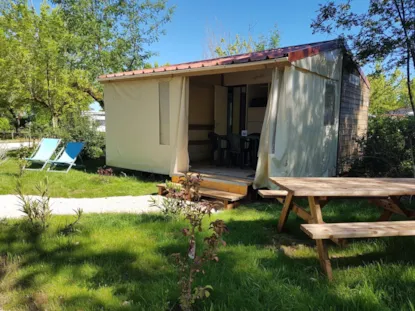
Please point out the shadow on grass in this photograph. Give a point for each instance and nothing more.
(254, 272)
(119, 269)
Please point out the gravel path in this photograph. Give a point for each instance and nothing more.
(9, 205)
(14, 146)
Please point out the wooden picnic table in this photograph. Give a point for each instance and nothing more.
(384, 192)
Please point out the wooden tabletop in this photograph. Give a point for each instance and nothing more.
(346, 187)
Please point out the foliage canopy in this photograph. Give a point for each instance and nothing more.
(385, 32)
(50, 59)
(226, 45)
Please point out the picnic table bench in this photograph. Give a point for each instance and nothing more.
(384, 192)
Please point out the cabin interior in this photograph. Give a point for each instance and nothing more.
(226, 113)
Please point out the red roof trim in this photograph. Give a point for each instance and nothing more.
(293, 53)
(313, 50)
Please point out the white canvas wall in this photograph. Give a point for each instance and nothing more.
(299, 143)
(133, 138)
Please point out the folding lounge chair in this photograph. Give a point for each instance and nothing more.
(67, 156)
(43, 152)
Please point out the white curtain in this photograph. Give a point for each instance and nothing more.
(295, 142)
(267, 141)
(180, 125)
(305, 147)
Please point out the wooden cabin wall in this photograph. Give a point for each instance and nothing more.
(354, 104)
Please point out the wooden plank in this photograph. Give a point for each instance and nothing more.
(235, 179)
(388, 205)
(302, 213)
(270, 194)
(221, 195)
(298, 210)
(212, 193)
(213, 176)
(393, 205)
(223, 185)
(346, 187)
(360, 229)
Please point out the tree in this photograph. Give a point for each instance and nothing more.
(13, 62)
(387, 92)
(385, 32)
(220, 46)
(111, 36)
(39, 73)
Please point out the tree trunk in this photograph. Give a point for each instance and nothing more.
(408, 82)
(16, 120)
(55, 120)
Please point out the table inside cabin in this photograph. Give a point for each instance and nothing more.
(384, 192)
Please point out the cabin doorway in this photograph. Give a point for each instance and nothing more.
(225, 122)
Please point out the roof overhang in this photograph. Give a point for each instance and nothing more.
(200, 71)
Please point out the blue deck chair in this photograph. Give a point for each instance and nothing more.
(43, 152)
(67, 156)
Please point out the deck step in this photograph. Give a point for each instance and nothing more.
(228, 198)
(222, 183)
(221, 195)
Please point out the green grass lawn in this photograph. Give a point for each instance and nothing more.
(116, 259)
(75, 184)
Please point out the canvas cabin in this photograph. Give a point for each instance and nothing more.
(293, 111)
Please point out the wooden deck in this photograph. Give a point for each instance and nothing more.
(229, 189)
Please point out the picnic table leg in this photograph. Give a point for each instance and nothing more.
(386, 215)
(397, 203)
(391, 206)
(285, 211)
(323, 255)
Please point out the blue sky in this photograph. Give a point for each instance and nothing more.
(186, 37)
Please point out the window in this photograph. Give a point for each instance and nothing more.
(329, 102)
(164, 113)
(258, 95)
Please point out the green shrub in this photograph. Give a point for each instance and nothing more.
(37, 210)
(388, 148)
(76, 129)
(4, 124)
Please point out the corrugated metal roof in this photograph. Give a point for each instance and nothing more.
(292, 52)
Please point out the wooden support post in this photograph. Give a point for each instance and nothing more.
(285, 211)
(298, 210)
(392, 205)
(323, 256)
(317, 218)
(315, 209)
(225, 204)
(386, 215)
(231, 205)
